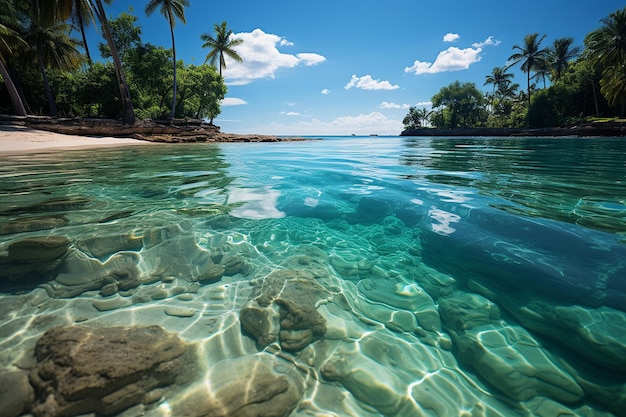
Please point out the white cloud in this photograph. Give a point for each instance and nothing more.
(261, 57)
(311, 59)
(362, 124)
(232, 101)
(388, 105)
(490, 41)
(325, 91)
(366, 82)
(452, 59)
(424, 104)
(290, 113)
(451, 37)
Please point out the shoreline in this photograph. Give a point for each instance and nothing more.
(591, 129)
(15, 139)
(150, 131)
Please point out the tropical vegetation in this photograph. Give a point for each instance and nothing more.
(48, 68)
(564, 84)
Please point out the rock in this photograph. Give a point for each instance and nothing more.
(38, 249)
(514, 363)
(102, 247)
(104, 370)
(212, 274)
(249, 386)
(435, 283)
(595, 333)
(32, 224)
(32, 260)
(179, 311)
(283, 309)
(79, 273)
(16, 393)
(400, 296)
(463, 311)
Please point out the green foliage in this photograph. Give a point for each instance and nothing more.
(126, 34)
(416, 118)
(551, 107)
(463, 105)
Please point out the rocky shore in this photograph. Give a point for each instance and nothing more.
(591, 129)
(162, 131)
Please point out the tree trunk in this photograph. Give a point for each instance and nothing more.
(82, 32)
(51, 103)
(18, 105)
(174, 89)
(127, 104)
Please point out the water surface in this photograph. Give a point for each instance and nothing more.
(454, 276)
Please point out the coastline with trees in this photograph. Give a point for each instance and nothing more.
(569, 91)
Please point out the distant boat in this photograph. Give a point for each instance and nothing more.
(373, 134)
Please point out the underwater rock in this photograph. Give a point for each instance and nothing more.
(463, 311)
(435, 283)
(104, 370)
(283, 309)
(249, 386)
(52, 205)
(595, 333)
(16, 393)
(32, 224)
(102, 247)
(403, 296)
(514, 363)
(31, 260)
(212, 274)
(79, 273)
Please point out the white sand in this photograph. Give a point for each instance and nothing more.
(21, 139)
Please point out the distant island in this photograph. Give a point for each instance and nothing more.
(611, 128)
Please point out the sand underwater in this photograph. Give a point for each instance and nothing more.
(343, 277)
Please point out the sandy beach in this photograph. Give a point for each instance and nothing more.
(22, 139)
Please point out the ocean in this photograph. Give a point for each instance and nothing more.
(337, 276)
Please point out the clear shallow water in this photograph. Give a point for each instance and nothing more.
(463, 276)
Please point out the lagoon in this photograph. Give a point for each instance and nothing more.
(365, 276)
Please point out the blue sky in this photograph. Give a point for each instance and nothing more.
(345, 66)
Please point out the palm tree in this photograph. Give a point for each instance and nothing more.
(171, 9)
(52, 10)
(561, 53)
(500, 78)
(607, 49)
(83, 15)
(222, 44)
(127, 104)
(52, 46)
(9, 38)
(530, 55)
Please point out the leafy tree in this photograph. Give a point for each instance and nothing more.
(172, 10)
(52, 46)
(150, 79)
(501, 80)
(607, 49)
(222, 44)
(9, 39)
(125, 32)
(560, 55)
(127, 104)
(416, 118)
(531, 57)
(463, 105)
(551, 107)
(201, 91)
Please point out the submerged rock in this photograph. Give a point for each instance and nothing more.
(595, 333)
(16, 393)
(249, 386)
(32, 224)
(283, 309)
(514, 363)
(29, 261)
(463, 311)
(105, 370)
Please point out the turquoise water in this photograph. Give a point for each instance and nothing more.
(453, 276)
